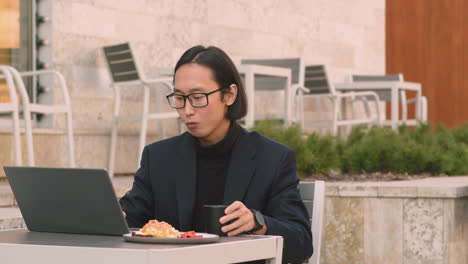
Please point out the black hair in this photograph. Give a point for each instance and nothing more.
(224, 72)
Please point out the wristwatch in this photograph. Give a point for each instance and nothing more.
(259, 220)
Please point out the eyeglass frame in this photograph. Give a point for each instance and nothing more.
(187, 97)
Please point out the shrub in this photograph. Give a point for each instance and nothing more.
(422, 149)
(322, 153)
(370, 151)
(412, 151)
(314, 154)
(461, 134)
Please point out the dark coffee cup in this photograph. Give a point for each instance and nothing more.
(212, 214)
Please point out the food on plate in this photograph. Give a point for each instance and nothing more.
(190, 234)
(154, 228)
(162, 229)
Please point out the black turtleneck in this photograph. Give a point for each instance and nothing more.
(212, 167)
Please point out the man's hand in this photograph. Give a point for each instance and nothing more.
(242, 220)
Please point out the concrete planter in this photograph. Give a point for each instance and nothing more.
(418, 221)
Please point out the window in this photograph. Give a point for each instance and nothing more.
(16, 27)
(16, 41)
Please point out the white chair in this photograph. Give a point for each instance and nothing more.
(313, 196)
(316, 85)
(29, 108)
(124, 70)
(386, 97)
(12, 108)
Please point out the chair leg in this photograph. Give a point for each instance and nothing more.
(16, 138)
(71, 143)
(28, 134)
(26, 114)
(10, 84)
(348, 128)
(113, 142)
(423, 108)
(300, 109)
(342, 110)
(144, 123)
(335, 109)
(321, 106)
(404, 107)
(365, 102)
(114, 131)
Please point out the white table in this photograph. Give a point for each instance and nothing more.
(250, 71)
(22, 246)
(394, 87)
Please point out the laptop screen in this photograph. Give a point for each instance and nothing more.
(67, 200)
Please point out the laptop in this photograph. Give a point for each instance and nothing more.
(65, 200)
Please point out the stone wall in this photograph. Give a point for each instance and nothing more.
(347, 36)
(421, 221)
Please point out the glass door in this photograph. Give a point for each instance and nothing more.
(9, 38)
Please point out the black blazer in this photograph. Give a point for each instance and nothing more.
(261, 174)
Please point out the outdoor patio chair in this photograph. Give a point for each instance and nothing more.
(268, 83)
(313, 196)
(316, 85)
(124, 70)
(386, 97)
(11, 108)
(29, 108)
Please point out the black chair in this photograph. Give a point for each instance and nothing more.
(124, 70)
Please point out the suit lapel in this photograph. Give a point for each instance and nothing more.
(186, 181)
(241, 167)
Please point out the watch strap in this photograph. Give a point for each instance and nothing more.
(257, 226)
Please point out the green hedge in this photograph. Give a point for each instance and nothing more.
(423, 149)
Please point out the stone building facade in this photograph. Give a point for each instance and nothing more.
(347, 36)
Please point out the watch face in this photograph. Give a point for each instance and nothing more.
(259, 218)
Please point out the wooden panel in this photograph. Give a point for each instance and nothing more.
(462, 98)
(9, 24)
(4, 96)
(425, 41)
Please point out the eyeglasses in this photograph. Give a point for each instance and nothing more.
(197, 100)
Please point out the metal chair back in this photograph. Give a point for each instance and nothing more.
(122, 65)
(12, 107)
(124, 70)
(316, 80)
(63, 107)
(313, 196)
(269, 83)
(383, 95)
(292, 63)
